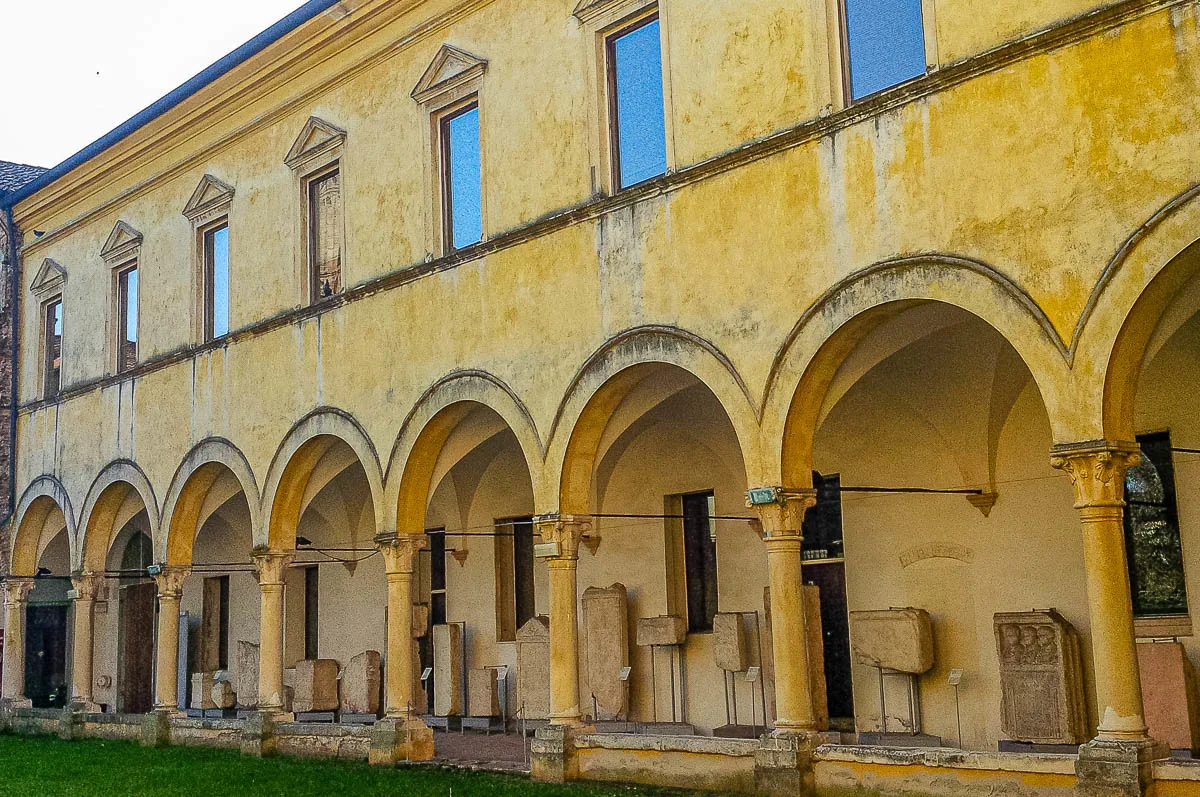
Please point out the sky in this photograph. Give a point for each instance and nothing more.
(92, 64)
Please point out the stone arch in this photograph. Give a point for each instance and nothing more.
(43, 495)
(830, 329)
(1134, 292)
(190, 486)
(429, 424)
(301, 450)
(611, 373)
(98, 521)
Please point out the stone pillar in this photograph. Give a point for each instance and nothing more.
(84, 588)
(16, 595)
(271, 566)
(401, 735)
(169, 580)
(1118, 760)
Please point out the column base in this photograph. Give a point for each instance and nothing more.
(397, 740)
(552, 753)
(258, 733)
(71, 718)
(1118, 768)
(156, 728)
(783, 763)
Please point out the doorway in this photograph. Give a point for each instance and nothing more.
(136, 634)
(46, 654)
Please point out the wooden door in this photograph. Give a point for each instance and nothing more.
(136, 634)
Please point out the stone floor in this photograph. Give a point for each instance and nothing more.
(475, 750)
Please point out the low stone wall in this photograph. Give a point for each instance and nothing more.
(223, 734)
(126, 727)
(699, 762)
(1177, 778)
(312, 740)
(33, 721)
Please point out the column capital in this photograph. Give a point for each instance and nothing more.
(85, 585)
(1097, 470)
(270, 565)
(565, 531)
(169, 580)
(783, 517)
(400, 550)
(16, 590)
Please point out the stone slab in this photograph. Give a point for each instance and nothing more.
(316, 687)
(606, 639)
(420, 626)
(247, 673)
(448, 669)
(730, 650)
(360, 684)
(316, 716)
(1169, 694)
(202, 685)
(533, 669)
(665, 630)
(223, 695)
(483, 699)
(1041, 678)
(894, 639)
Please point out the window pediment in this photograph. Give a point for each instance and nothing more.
(607, 11)
(49, 280)
(122, 244)
(452, 74)
(211, 198)
(318, 139)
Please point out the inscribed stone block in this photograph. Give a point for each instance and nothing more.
(894, 639)
(420, 622)
(316, 686)
(664, 630)
(1169, 694)
(484, 697)
(360, 684)
(247, 673)
(1041, 678)
(448, 669)
(606, 637)
(533, 669)
(202, 684)
(729, 642)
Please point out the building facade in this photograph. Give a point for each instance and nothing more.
(474, 306)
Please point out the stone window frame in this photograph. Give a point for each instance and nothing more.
(318, 152)
(838, 48)
(207, 209)
(48, 287)
(451, 83)
(121, 253)
(601, 21)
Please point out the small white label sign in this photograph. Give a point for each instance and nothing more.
(752, 675)
(955, 677)
(426, 673)
(625, 671)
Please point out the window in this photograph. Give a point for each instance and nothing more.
(462, 194)
(437, 577)
(325, 235)
(127, 318)
(884, 43)
(214, 624)
(216, 281)
(1152, 542)
(823, 522)
(636, 112)
(514, 576)
(52, 348)
(311, 612)
(700, 561)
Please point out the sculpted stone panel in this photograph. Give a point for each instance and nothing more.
(1041, 678)
(448, 670)
(606, 631)
(533, 669)
(484, 697)
(247, 673)
(894, 639)
(664, 630)
(360, 684)
(316, 686)
(729, 642)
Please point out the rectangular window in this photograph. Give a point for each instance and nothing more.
(884, 43)
(823, 523)
(325, 245)
(636, 111)
(311, 612)
(514, 576)
(52, 348)
(127, 319)
(462, 176)
(1152, 542)
(700, 560)
(437, 577)
(216, 281)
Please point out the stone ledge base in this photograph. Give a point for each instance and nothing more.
(1111, 768)
(400, 740)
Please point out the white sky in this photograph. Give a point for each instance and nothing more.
(75, 69)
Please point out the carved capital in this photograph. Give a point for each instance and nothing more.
(1096, 470)
(784, 517)
(169, 581)
(567, 531)
(271, 565)
(85, 586)
(400, 550)
(16, 591)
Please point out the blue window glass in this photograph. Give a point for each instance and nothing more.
(636, 83)
(886, 39)
(462, 181)
(216, 253)
(127, 330)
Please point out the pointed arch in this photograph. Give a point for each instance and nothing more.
(189, 488)
(301, 450)
(611, 373)
(41, 498)
(830, 329)
(118, 481)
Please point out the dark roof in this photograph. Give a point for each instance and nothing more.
(303, 14)
(15, 175)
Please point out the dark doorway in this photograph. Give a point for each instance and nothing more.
(830, 578)
(46, 655)
(136, 635)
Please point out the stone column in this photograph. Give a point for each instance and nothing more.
(271, 566)
(781, 530)
(563, 535)
(166, 675)
(401, 735)
(1122, 749)
(84, 588)
(16, 595)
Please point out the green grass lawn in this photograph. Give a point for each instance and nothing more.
(48, 766)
